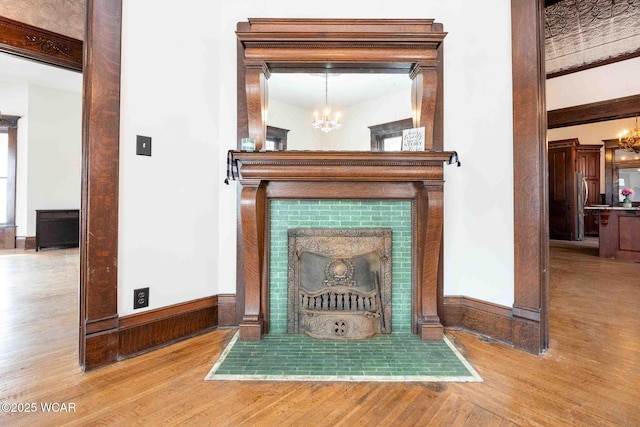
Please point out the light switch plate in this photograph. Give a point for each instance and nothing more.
(143, 145)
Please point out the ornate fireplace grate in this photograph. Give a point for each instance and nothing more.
(335, 287)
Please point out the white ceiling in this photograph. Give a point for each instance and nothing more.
(16, 70)
(308, 90)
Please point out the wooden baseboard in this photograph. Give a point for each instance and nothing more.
(26, 243)
(139, 333)
(7, 236)
(227, 310)
(493, 321)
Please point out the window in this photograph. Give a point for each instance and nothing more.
(388, 136)
(4, 170)
(8, 143)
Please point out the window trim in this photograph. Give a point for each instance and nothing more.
(9, 125)
(387, 130)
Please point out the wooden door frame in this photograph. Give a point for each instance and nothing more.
(101, 113)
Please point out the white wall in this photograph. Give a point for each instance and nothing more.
(177, 218)
(359, 117)
(169, 230)
(354, 133)
(301, 135)
(55, 151)
(611, 81)
(49, 152)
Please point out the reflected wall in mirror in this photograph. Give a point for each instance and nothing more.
(364, 100)
(622, 170)
(629, 178)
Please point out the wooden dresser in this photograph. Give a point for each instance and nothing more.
(57, 228)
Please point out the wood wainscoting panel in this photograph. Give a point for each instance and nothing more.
(629, 232)
(149, 330)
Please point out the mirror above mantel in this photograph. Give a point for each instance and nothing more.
(343, 49)
(361, 100)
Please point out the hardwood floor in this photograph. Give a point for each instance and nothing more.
(590, 375)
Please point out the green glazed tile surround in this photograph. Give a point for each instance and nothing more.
(286, 214)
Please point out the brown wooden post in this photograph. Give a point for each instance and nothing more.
(424, 92)
(430, 239)
(252, 210)
(257, 99)
(100, 153)
(531, 227)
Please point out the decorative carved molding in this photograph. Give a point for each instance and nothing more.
(59, 16)
(564, 143)
(35, 43)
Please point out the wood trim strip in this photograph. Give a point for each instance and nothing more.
(491, 320)
(531, 234)
(39, 44)
(100, 325)
(157, 328)
(150, 316)
(100, 167)
(612, 109)
(26, 243)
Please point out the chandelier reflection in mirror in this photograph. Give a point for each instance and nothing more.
(630, 142)
(326, 123)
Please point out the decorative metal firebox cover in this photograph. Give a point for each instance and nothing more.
(339, 282)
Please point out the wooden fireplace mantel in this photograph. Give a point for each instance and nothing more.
(414, 176)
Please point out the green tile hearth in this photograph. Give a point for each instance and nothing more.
(386, 357)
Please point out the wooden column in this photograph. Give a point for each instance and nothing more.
(424, 92)
(257, 100)
(531, 233)
(100, 154)
(252, 212)
(430, 207)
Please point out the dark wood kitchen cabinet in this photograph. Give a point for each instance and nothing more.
(574, 182)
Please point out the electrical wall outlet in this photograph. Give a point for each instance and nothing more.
(143, 145)
(140, 298)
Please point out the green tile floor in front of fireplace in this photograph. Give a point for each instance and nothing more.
(385, 357)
